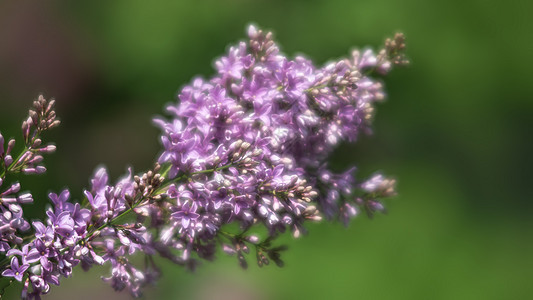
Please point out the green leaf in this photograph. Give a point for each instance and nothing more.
(5, 282)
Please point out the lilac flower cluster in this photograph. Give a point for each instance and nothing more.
(12, 223)
(265, 126)
(248, 147)
(74, 235)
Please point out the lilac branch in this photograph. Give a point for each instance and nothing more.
(247, 147)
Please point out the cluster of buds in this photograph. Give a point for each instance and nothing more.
(262, 46)
(41, 117)
(11, 219)
(146, 185)
(395, 50)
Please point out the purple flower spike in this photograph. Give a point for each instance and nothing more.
(243, 149)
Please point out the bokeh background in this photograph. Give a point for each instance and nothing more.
(455, 132)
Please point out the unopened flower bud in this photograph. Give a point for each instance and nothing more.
(254, 239)
(48, 149)
(25, 198)
(36, 143)
(1, 145)
(245, 146)
(10, 145)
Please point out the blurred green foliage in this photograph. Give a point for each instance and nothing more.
(455, 132)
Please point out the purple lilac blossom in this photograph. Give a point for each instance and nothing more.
(248, 146)
(16, 271)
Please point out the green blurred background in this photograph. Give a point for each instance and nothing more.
(455, 132)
